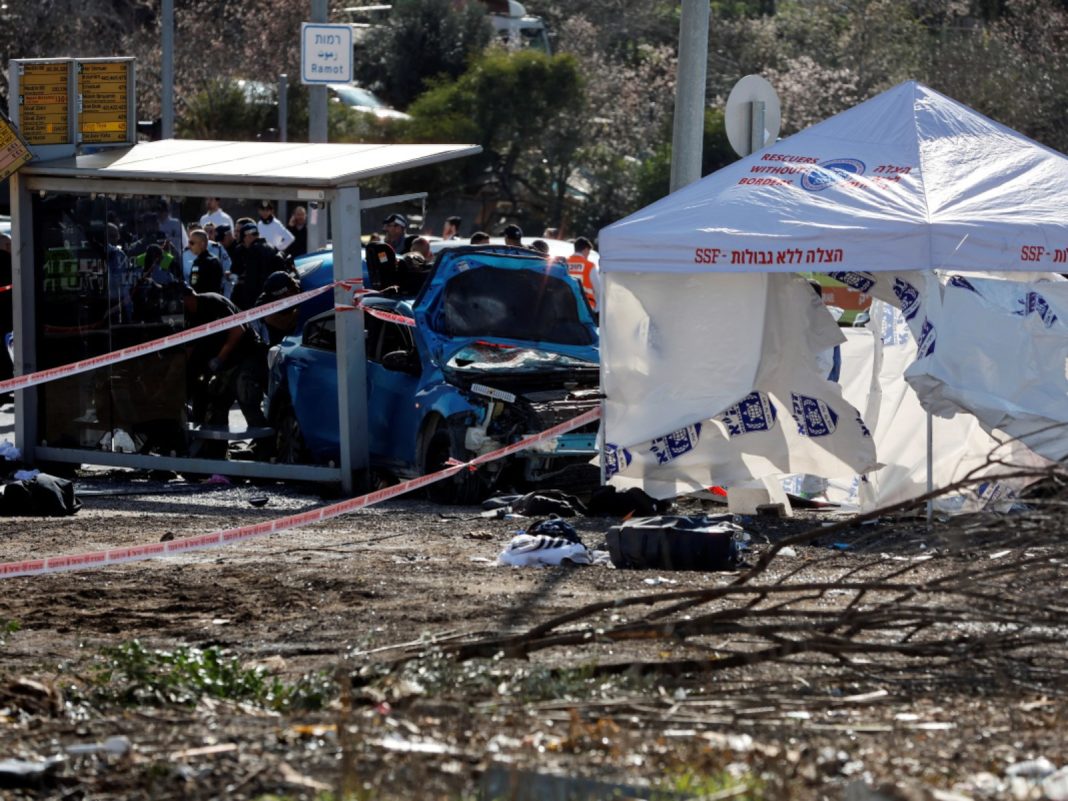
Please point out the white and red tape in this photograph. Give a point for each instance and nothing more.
(219, 539)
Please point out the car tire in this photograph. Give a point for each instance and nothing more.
(289, 447)
(464, 488)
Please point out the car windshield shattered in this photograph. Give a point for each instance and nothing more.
(526, 305)
(487, 357)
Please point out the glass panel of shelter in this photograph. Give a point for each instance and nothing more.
(92, 298)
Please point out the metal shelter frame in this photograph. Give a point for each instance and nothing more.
(324, 173)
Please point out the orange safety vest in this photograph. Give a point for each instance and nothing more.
(581, 269)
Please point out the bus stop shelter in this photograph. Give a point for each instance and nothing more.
(60, 214)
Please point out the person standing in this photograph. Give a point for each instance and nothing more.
(172, 228)
(451, 229)
(513, 236)
(254, 260)
(580, 268)
(206, 271)
(226, 365)
(271, 229)
(215, 215)
(394, 227)
(298, 225)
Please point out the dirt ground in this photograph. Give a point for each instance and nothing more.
(382, 594)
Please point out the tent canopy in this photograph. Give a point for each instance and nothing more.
(910, 179)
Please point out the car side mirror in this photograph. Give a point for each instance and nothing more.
(401, 361)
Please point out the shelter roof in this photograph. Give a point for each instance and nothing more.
(259, 163)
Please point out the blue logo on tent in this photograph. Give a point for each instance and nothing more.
(926, 344)
(961, 282)
(1034, 303)
(862, 282)
(754, 412)
(909, 297)
(814, 418)
(828, 173)
(616, 458)
(673, 445)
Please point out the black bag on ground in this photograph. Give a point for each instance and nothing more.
(675, 542)
(41, 496)
(609, 502)
(548, 502)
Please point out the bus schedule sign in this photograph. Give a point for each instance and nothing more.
(104, 92)
(13, 151)
(44, 102)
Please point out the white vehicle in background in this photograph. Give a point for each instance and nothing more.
(363, 100)
(515, 26)
(5, 224)
(511, 23)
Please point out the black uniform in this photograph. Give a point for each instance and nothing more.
(252, 264)
(206, 274)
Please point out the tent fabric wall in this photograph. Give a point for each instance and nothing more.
(694, 398)
(874, 361)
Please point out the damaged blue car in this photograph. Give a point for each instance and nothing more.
(498, 344)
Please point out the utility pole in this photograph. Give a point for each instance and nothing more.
(688, 135)
(166, 89)
(317, 92)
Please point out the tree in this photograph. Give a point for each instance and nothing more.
(423, 40)
(526, 111)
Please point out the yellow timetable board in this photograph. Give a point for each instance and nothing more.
(13, 153)
(103, 89)
(44, 103)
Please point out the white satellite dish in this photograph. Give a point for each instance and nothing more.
(753, 115)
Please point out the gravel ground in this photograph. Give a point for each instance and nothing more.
(86, 656)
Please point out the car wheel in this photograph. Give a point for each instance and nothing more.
(464, 488)
(289, 447)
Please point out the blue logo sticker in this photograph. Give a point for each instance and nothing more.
(1034, 303)
(754, 412)
(961, 282)
(863, 428)
(909, 297)
(862, 282)
(926, 344)
(828, 173)
(814, 418)
(673, 445)
(616, 459)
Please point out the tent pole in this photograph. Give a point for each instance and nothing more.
(930, 468)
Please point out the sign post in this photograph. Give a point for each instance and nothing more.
(325, 53)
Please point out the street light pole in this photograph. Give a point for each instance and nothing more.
(166, 88)
(688, 135)
(317, 92)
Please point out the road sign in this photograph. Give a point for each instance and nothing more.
(753, 115)
(325, 53)
(44, 102)
(13, 151)
(105, 101)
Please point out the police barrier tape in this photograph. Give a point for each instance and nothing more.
(218, 539)
(170, 341)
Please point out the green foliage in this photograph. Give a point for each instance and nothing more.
(654, 174)
(224, 110)
(524, 109)
(8, 627)
(693, 784)
(132, 674)
(423, 40)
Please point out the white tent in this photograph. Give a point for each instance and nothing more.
(702, 320)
